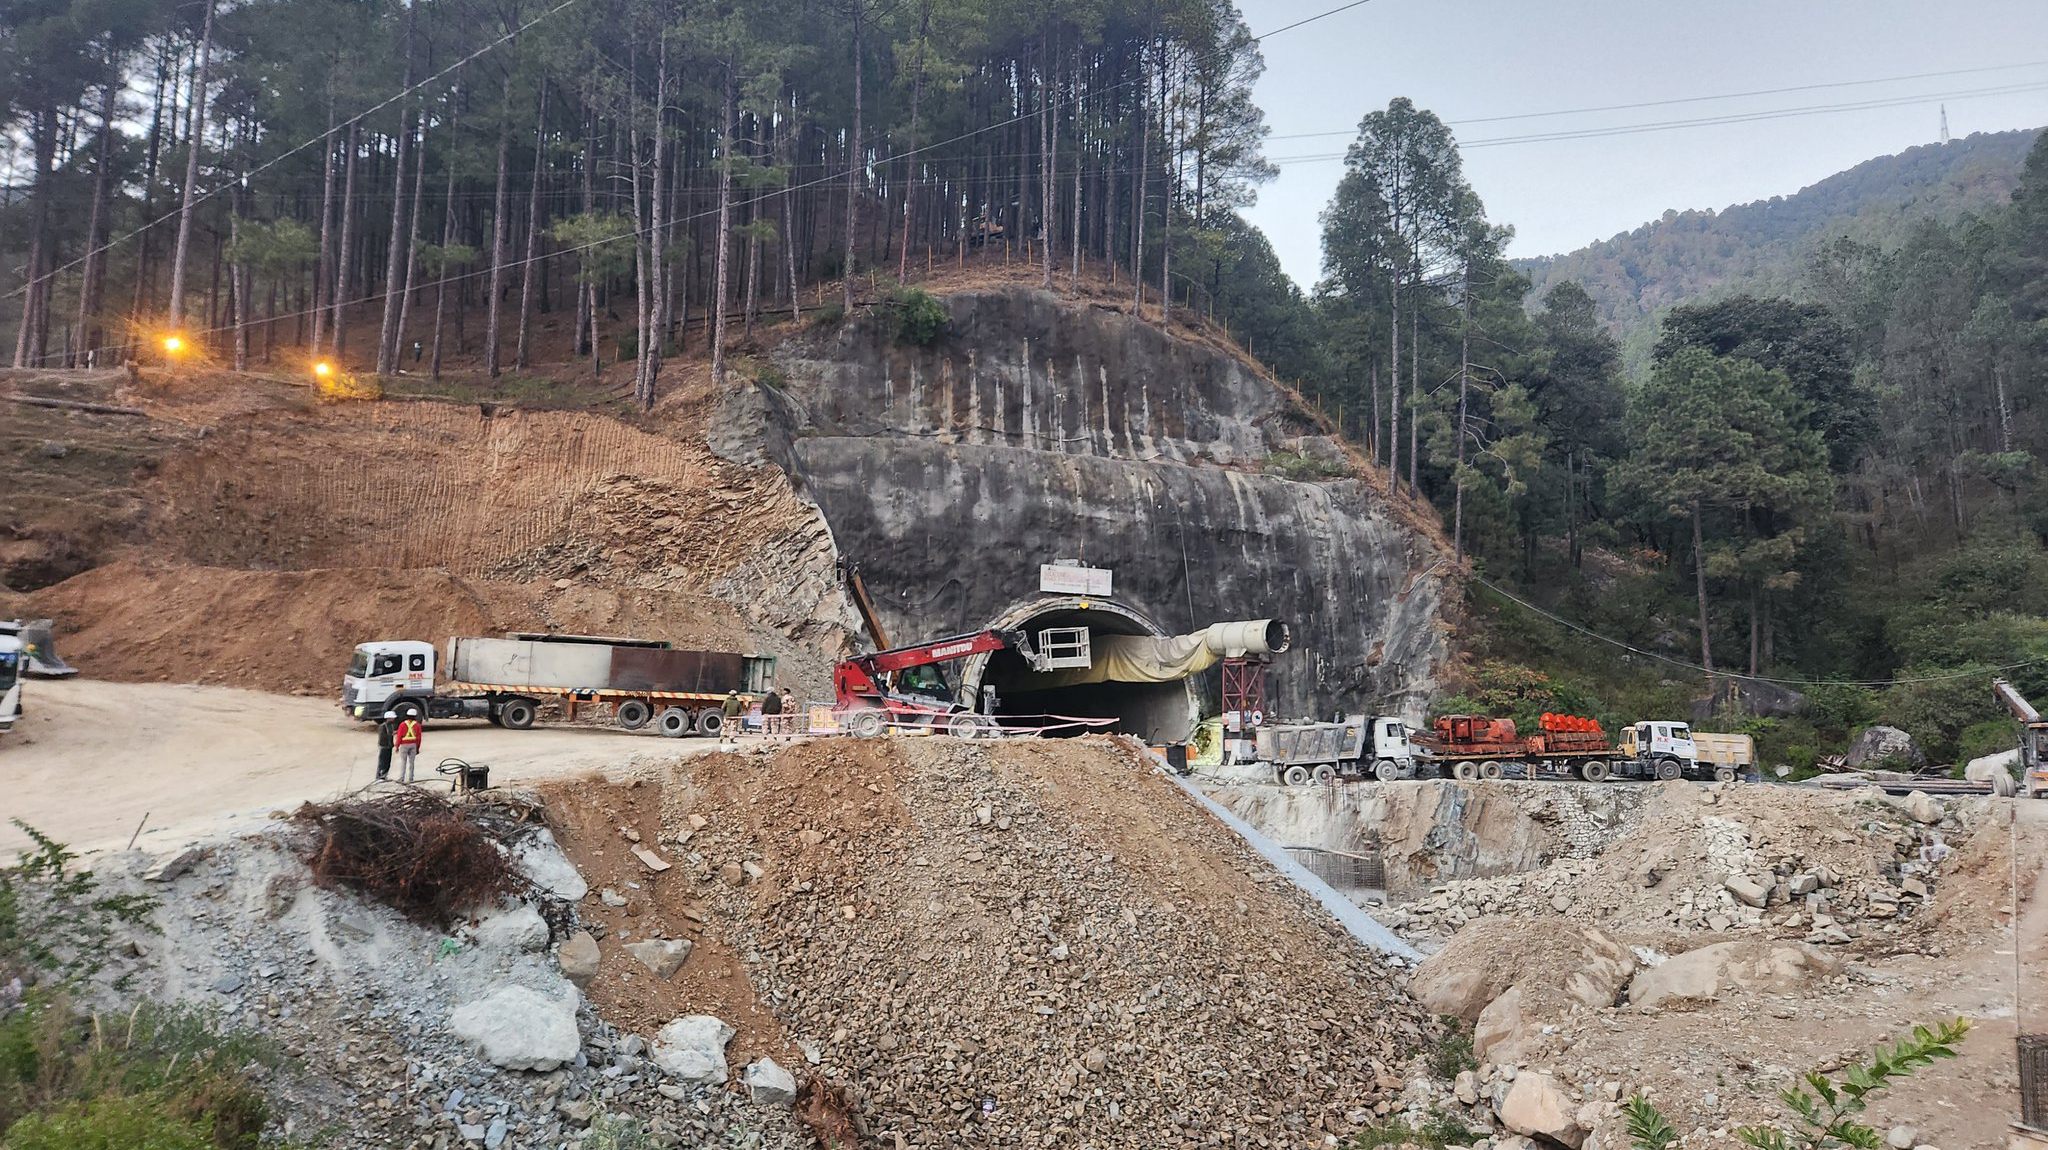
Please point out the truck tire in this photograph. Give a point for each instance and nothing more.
(516, 714)
(673, 722)
(1296, 776)
(1724, 774)
(1385, 771)
(634, 713)
(965, 726)
(1593, 771)
(710, 722)
(1668, 769)
(866, 724)
(1491, 771)
(1325, 774)
(1465, 771)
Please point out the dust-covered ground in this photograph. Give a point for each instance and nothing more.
(1703, 944)
(89, 759)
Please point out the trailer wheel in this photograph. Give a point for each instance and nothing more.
(1724, 774)
(1325, 774)
(964, 726)
(1593, 771)
(516, 714)
(634, 713)
(866, 724)
(1465, 771)
(1296, 776)
(1491, 771)
(1668, 769)
(673, 722)
(1385, 771)
(710, 722)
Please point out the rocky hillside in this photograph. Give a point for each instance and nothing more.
(1038, 427)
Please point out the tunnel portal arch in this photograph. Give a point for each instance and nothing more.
(1155, 712)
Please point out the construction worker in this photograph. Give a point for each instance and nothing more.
(771, 713)
(732, 709)
(410, 733)
(385, 730)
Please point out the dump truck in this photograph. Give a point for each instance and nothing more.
(506, 680)
(1352, 747)
(1724, 758)
(1568, 746)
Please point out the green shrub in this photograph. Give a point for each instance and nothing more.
(1823, 1109)
(1452, 1054)
(827, 315)
(1437, 1131)
(612, 1132)
(1986, 738)
(110, 1122)
(54, 922)
(1295, 465)
(919, 317)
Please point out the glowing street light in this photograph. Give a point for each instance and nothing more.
(323, 369)
(174, 344)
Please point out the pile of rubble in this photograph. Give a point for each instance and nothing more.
(1826, 868)
(1031, 945)
(403, 1036)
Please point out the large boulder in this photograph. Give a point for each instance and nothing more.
(1501, 1031)
(1754, 965)
(579, 958)
(663, 956)
(692, 1048)
(520, 930)
(541, 862)
(1991, 768)
(1882, 746)
(520, 1028)
(1559, 963)
(1540, 1106)
(768, 1084)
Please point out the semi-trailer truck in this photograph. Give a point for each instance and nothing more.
(506, 680)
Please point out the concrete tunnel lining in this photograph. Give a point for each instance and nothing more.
(1154, 712)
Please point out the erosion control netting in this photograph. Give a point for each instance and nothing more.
(431, 859)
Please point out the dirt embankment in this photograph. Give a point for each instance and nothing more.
(1022, 944)
(261, 535)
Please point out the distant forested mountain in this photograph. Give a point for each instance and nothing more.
(1763, 247)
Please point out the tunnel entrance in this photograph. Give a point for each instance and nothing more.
(1155, 712)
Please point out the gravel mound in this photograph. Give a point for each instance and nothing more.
(1035, 944)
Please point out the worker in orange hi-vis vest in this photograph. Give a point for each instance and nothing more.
(407, 742)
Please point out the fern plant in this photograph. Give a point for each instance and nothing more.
(1825, 1108)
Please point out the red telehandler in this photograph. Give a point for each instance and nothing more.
(902, 686)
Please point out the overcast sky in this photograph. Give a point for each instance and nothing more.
(1472, 59)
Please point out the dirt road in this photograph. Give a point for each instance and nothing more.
(90, 758)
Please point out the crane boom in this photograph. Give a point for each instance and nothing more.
(2015, 702)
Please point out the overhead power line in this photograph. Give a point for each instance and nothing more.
(1706, 121)
(1695, 667)
(1695, 99)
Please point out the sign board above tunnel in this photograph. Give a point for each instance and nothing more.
(1069, 579)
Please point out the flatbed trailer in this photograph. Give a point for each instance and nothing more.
(1565, 747)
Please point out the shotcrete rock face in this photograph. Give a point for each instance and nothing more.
(1038, 430)
(1155, 712)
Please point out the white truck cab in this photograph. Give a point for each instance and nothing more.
(1665, 748)
(383, 672)
(1391, 747)
(11, 660)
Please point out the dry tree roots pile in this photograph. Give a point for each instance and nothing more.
(431, 859)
